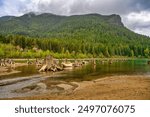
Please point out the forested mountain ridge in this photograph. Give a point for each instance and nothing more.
(43, 25)
(90, 35)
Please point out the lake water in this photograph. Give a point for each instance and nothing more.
(90, 71)
(100, 70)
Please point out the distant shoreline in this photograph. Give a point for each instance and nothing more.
(113, 58)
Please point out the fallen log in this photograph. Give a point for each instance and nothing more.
(67, 64)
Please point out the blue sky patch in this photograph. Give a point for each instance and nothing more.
(1, 2)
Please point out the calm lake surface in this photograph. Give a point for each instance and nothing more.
(90, 71)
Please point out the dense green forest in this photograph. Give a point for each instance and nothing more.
(26, 47)
(82, 36)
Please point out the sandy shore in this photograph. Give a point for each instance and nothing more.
(108, 88)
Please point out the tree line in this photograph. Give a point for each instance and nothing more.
(16, 46)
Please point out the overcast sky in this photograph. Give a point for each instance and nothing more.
(135, 13)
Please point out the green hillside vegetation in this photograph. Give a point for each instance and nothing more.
(81, 36)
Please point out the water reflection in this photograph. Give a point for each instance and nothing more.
(25, 71)
(90, 72)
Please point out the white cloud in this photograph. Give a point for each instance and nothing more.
(144, 31)
(143, 16)
(61, 7)
(13, 7)
(65, 7)
(138, 22)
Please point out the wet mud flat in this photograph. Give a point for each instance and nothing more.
(135, 87)
(108, 88)
(33, 85)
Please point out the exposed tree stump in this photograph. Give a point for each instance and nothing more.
(43, 69)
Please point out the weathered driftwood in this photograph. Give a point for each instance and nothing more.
(54, 65)
(94, 62)
(7, 63)
(59, 68)
(50, 65)
(39, 63)
(53, 68)
(67, 65)
(43, 69)
(77, 64)
(2, 63)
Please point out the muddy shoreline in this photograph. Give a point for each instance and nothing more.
(8, 70)
(135, 87)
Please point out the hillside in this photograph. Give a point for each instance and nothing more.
(45, 24)
(90, 34)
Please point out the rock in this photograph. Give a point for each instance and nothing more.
(41, 86)
(65, 86)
